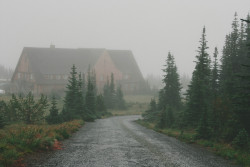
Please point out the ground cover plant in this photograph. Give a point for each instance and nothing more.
(19, 140)
(223, 149)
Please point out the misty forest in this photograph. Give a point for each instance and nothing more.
(95, 108)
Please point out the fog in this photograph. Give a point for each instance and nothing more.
(150, 28)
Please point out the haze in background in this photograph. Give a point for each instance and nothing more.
(150, 28)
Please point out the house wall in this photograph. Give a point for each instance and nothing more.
(23, 71)
(103, 69)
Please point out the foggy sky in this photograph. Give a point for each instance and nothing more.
(150, 28)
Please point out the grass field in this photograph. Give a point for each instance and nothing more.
(136, 105)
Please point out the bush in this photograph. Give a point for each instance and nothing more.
(18, 140)
(241, 140)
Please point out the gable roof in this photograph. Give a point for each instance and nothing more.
(125, 62)
(60, 60)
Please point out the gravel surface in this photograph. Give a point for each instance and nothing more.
(120, 142)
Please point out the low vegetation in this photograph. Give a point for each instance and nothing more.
(223, 149)
(19, 140)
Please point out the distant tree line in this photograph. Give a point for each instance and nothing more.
(217, 102)
(80, 102)
(5, 73)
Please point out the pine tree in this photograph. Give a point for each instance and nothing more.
(71, 97)
(230, 82)
(80, 108)
(162, 121)
(170, 117)
(198, 94)
(2, 114)
(13, 113)
(101, 109)
(32, 111)
(90, 100)
(215, 114)
(172, 97)
(242, 98)
(151, 114)
(112, 92)
(53, 117)
(120, 102)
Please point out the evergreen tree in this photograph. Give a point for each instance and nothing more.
(112, 92)
(151, 114)
(198, 94)
(106, 93)
(2, 114)
(53, 117)
(71, 97)
(32, 111)
(203, 130)
(13, 113)
(90, 99)
(101, 109)
(230, 82)
(162, 121)
(172, 86)
(242, 98)
(170, 117)
(120, 102)
(80, 108)
(215, 114)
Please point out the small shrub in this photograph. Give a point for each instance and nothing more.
(241, 140)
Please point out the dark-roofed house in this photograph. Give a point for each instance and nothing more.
(46, 70)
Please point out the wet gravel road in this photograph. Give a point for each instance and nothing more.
(120, 142)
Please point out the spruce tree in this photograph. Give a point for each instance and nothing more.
(13, 108)
(120, 102)
(53, 117)
(112, 92)
(230, 81)
(71, 97)
(150, 115)
(198, 94)
(90, 100)
(2, 114)
(101, 109)
(242, 98)
(32, 111)
(215, 112)
(172, 87)
(80, 108)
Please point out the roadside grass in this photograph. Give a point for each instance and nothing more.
(136, 105)
(132, 109)
(138, 98)
(225, 150)
(20, 140)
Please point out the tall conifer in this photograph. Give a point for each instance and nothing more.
(198, 94)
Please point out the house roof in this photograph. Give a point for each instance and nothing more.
(124, 60)
(60, 60)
